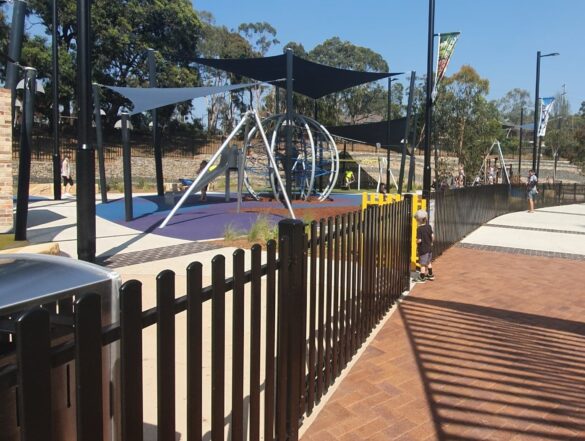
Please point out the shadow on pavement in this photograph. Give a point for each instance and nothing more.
(496, 374)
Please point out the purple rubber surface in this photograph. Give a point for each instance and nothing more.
(202, 220)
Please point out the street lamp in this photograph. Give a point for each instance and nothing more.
(536, 107)
(429, 107)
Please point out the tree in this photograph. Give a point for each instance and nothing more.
(120, 43)
(357, 103)
(512, 103)
(220, 42)
(261, 36)
(465, 120)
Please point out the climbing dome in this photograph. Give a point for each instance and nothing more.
(313, 163)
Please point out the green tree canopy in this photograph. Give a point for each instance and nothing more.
(465, 120)
(120, 43)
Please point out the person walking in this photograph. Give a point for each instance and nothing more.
(66, 175)
(532, 190)
(424, 246)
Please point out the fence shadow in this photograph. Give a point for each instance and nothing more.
(494, 374)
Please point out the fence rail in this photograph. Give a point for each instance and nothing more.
(173, 147)
(305, 311)
(461, 211)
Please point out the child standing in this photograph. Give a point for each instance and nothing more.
(424, 241)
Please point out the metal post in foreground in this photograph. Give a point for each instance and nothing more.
(536, 112)
(30, 83)
(289, 116)
(293, 298)
(55, 89)
(127, 164)
(406, 130)
(520, 143)
(97, 110)
(429, 107)
(85, 152)
(160, 189)
(390, 79)
(15, 45)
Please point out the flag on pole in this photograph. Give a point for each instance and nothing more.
(446, 47)
(545, 108)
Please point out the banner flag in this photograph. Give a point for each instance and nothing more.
(446, 47)
(545, 108)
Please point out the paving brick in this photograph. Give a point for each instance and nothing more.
(492, 349)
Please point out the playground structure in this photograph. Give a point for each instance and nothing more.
(486, 165)
(383, 166)
(262, 164)
(314, 158)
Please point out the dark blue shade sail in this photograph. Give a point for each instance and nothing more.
(374, 133)
(311, 79)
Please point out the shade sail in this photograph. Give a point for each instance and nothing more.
(145, 99)
(373, 133)
(311, 79)
(528, 126)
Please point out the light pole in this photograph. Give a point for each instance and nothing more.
(429, 107)
(536, 105)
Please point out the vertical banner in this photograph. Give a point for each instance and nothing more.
(446, 47)
(545, 108)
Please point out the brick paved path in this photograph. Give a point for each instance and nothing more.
(493, 349)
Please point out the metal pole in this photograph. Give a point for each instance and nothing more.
(429, 107)
(86, 233)
(127, 165)
(160, 189)
(276, 100)
(100, 144)
(55, 88)
(289, 115)
(412, 165)
(15, 45)
(406, 130)
(14, 49)
(388, 133)
(538, 156)
(30, 85)
(520, 143)
(536, 113)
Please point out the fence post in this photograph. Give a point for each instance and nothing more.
(409, 200)
(34, 375)
(293, 298)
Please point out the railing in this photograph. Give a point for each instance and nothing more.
(173, 147)
(308, 309)
(461, 211)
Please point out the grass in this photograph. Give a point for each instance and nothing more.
(262, 230)
(230, 232)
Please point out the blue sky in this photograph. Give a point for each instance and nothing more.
(499, 38)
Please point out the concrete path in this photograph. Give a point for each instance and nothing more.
(493, 349)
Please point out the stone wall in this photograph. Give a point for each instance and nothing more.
(142, 169)
(6, 216)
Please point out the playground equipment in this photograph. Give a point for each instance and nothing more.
(261, 164)
(382, 168)
(227, 157)
(313, 162)
(485, 166)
